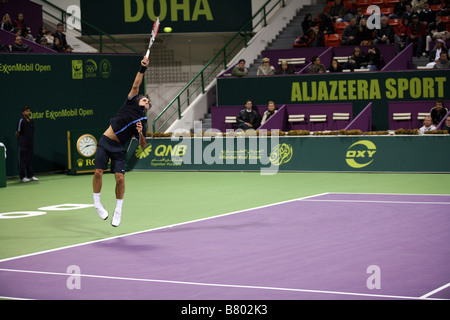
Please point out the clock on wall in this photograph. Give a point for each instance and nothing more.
(86, 145)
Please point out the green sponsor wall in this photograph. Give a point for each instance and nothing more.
(322, 153)
(137, 16)
(359, 88)
(65, 92)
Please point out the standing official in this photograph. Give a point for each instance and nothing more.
(25, 138)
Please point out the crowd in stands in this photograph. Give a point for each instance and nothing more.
(402, 22)
(54, 40)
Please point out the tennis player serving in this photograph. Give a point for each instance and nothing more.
(128, 122)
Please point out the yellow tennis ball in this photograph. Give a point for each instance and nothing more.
(167, 29)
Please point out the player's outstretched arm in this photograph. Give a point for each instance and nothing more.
(139, 77)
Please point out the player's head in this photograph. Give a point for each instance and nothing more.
(144, 101)
(26, 111)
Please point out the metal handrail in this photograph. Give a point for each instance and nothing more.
(222, 56)
(101, 33)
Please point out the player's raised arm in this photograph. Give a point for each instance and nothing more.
(139, 77)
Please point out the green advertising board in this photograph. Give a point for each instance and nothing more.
(64, 92)
(270, 155)
(137, 16)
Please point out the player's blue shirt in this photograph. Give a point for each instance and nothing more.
(124, 122)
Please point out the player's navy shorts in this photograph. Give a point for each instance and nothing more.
(110, 149)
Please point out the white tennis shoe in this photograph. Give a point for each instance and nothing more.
(102, 213)
(116, 218)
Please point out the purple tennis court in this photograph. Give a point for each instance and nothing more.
(327, 246)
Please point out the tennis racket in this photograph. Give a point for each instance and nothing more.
(153, 36)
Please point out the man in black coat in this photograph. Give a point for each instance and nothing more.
(248, 118)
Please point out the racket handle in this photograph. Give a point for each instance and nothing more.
(148, 53)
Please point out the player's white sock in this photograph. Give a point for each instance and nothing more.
(119, 203)
(99, 207)
(97, 202)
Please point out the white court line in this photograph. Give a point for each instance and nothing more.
(161, 228)
(375, 201)
(223, 285)
(435, 291)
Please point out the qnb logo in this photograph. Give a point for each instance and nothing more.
(360, 154)
(374, 20)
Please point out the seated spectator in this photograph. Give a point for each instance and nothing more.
(357, 60)
(269, 112)
(248, 118)
(19, 46)
(307, 23)
(43, 42)
(427, 125)
(50, 39)
(312, 38)
(436, 30)
(399, 9)
(435, 54)
(316, 66)
(445, 10)
(416, 34)
(27, 35)
(374, 58)
(408, 13)
(57, 46)
(60, 35)
(7, 23)
(400, 36)
(352, 8)
(325, 24)
(3, 47)
(266, 69)
(285, 69)
(67, 48)
(359, 15)
(443, 62)
(418, 5)
(337, 11)
(384, 35)
(364, 34)
(240, 70)
(438, 112)
(335, 66)
(350, 34)
(426, 14)
(446, 125)
(41, 34)
(20, 22)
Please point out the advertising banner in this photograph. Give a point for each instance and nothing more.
(64, 92)
(272, 154)
(137, 16)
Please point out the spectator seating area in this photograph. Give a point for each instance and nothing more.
(409, 114)
(328, 117)
(313, 117)
(386, 8)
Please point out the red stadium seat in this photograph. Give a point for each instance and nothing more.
(339, 27)
(436, 7)
(363, 3)
(395, 22)
(332, 40)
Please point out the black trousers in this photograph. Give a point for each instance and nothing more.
(25, 159)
